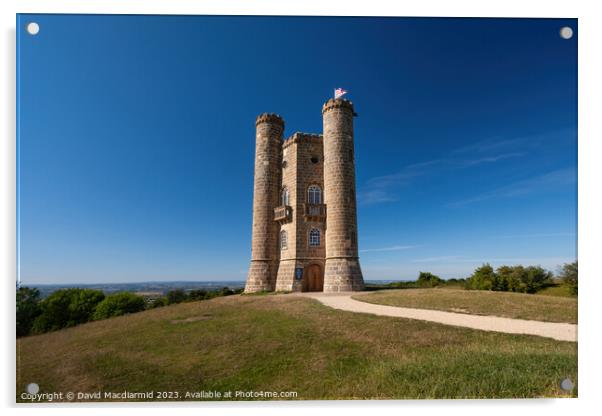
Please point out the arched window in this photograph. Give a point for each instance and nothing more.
(283, 242)
(314, 195)
(284, 196)
(314, 237)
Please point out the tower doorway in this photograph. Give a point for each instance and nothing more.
(314, 279)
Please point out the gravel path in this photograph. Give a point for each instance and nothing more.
(557, 331)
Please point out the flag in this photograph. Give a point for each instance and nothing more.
(339, 92)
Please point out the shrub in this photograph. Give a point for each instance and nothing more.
(119, 304)
(569, 275)
(28, 309)
(197, 294)
(509, 279)
(482, 278)
(455, 282)
(158, 302)
(67, 307)
(535, 278)
(427, 279)
(176, 296)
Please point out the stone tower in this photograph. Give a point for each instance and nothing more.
(342, 270)
(301, 212)
(304, 208)
(264, 251)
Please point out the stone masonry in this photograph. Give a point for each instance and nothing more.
(343, 271)
(264, 253)
(304, 207)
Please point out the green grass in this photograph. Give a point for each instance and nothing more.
(287, 343)
(557, 290)
(511, 305)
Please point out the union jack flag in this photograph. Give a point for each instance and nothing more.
(339, 92)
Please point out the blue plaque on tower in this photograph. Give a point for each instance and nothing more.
(298, 273)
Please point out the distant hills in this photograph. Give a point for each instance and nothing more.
(161, 287)
(141, 287)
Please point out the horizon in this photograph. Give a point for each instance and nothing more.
(171, 282)
(136, 142)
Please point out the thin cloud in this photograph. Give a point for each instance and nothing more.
(408, 172)
(375, 196)
(525, 143)
(381, 189)
(492, 159)
(509, 260)
(494, 144)
(436, 259)
(537, 235)
(546, 181)
(378, 189)
(391, 248)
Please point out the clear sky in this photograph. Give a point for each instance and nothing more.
(136, 140)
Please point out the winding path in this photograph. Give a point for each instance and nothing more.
(557, 331)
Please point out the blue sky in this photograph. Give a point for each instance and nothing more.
(136, 140)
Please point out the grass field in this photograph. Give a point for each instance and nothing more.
(511, 305)
(557, 290)
(284, 343)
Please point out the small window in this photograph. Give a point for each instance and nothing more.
(284, 196)
(283, 240)
(314, 195)
(314, 159)
(314, 237)
(284, 164)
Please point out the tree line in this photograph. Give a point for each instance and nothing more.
(69, 307)
(530, 279)
(522, 279)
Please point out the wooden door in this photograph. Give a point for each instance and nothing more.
(315, 279)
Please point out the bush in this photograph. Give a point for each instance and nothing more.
(198, 294)
(158, 302)
(569, 276)
(226, 291)
(509, 279)
(535, 278)
(28, 309)
(427, 279)
(455, 282)
(65, 308)
(482, 279)
(176, 296)
(119, 304)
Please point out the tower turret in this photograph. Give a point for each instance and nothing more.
(264, 252)
(342, 269)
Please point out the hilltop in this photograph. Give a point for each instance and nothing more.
(283, 343)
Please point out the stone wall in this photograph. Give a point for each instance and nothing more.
(266, 190)
(298, 173)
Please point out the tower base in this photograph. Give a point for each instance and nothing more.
(260, 277)
(343, 275)
(285, 281)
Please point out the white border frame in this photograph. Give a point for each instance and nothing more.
(590, 206)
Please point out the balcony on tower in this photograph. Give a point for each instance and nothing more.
(283, 214)
(314, 212)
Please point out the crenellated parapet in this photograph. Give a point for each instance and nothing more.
(269, 118)
(337, 103)
(299, 137)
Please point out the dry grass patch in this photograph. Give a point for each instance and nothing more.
(480, 302)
